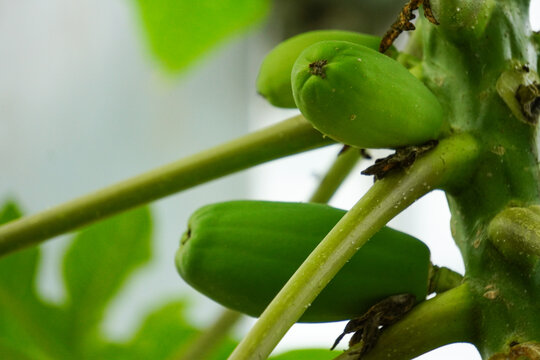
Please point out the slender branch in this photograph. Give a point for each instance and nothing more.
(444, 319)
(203, 345)
(333, 178)
(453, 158)
(286, 138)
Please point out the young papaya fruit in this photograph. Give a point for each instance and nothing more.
(363, 98)
(274, 79)
(241, 253)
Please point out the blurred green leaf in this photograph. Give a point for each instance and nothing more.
(24, 261)
(95, 266)
(180, 31)
(164, 335)
(28, 327)
(307, 354)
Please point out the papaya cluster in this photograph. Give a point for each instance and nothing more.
(350, 92)
(241, 253)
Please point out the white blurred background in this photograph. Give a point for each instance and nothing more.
(83, 104)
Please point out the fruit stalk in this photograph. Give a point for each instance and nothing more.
(450, 162)
(288, 137)
(340, 169)
(203, 345)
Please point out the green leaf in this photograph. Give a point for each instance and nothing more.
(28, 327)
(180, 31)
(25, 261)
(95, 266)
(99, 261)
(307, 354)
(164, 335)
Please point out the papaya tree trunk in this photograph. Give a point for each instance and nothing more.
(481, 63)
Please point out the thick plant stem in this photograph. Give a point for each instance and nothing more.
(207, 341)
(289, 137)
(451, 159)
(445, 319)
(480, 63)
(333, 178)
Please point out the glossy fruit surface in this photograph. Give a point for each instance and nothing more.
(240, 254)
(363, 98)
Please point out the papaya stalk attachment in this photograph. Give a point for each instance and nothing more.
(442, 279)
(420, 330)
(288, 137)
(449, 164)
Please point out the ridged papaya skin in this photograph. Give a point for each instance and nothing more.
(241, 253)
(274, 79)
(362, 98)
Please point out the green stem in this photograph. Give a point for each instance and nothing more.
(203, 345)
(453, 158)
(286, 138)
(443, 279)
(445, 319)
(339, 170)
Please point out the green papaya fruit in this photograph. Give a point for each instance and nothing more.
(274, 79)
(363, 98)
(241, 253)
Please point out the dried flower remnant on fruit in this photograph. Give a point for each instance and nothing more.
(403, 22)
(401, 159)
(317, 68)
(368, 327)
(528, 97)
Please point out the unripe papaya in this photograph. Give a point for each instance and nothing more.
(362, 98)
(274, 79)
(241, 253)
